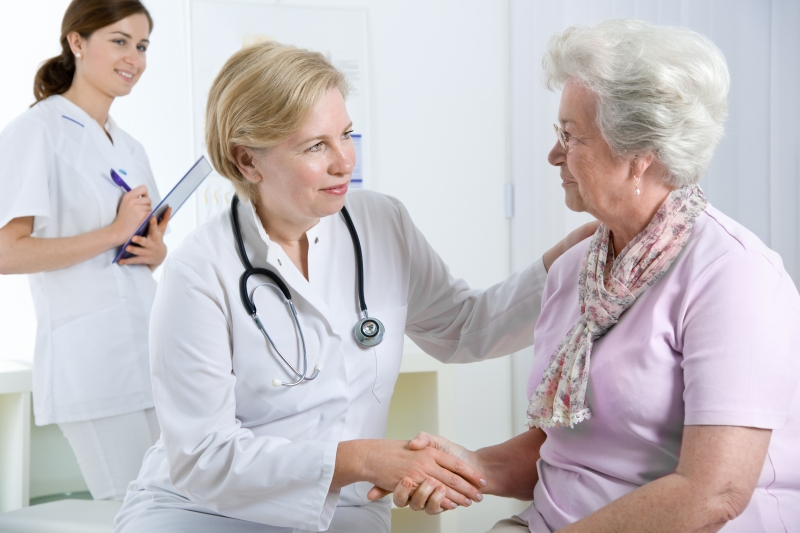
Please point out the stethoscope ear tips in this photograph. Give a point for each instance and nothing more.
(317, 369)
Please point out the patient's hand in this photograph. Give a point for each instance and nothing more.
(430, 495)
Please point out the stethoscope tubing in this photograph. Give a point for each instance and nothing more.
(368, 331)
(300, 374)
(359, 260)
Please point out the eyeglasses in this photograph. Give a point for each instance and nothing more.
(562, 136)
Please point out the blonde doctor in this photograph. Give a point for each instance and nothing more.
(62, 220)
(266, 428)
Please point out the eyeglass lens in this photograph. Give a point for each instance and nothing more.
(560, 136)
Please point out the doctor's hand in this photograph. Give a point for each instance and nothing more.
(149, 250)
(428, 495)
(385, 463)
(573, 238)
(133, 209)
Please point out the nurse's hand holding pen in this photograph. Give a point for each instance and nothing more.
(148, 250)
(21, 253)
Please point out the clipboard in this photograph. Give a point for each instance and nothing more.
(175, 199)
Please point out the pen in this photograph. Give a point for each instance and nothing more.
(119, 181)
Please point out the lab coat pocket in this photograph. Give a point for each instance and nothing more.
(95, 363)
(389, 353)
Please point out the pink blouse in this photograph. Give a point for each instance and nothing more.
(715, 342)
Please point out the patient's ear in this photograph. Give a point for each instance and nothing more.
(245, 161)
(641, 163)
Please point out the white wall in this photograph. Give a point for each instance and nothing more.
(439, 122)
(26, 45)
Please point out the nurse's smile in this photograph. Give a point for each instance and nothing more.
(127, 76)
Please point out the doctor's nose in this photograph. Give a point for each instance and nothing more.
(344, 160)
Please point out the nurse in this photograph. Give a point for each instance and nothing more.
(243, 447)
(63, 220)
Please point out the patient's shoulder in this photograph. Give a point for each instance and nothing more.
(715, 235)
(564, 272)
(570, 261)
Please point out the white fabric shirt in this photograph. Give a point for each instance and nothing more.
(91, 355)
(235, 445)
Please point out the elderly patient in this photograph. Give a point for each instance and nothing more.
(664, 389)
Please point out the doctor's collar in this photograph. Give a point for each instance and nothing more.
(312, 234)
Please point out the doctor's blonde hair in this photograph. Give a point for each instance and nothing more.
(260, 97)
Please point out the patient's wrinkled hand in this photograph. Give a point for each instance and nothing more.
(431, 494)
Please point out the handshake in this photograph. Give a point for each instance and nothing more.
(434, 474)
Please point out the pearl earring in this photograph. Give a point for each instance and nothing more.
(78, 55)
(636, 191)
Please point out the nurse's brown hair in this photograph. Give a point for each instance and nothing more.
(85, 17)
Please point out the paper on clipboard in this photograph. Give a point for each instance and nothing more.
(175, 199)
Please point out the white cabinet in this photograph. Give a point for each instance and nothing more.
(15, 433)
(423, 400)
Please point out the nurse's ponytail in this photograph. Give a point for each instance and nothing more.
(85, 17)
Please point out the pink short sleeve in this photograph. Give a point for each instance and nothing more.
(740, 344)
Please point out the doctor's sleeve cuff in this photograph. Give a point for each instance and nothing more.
(329, 497)
(539, 271)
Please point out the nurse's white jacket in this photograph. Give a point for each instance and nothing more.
(234, 444)
(91, 355)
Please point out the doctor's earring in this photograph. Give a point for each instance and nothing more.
(636, 191)
(78, 55)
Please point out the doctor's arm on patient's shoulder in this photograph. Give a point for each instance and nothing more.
(573, 238)
(21, 253)
(457, 324)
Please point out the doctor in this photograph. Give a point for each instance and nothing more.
(264, 427)
(62, 220)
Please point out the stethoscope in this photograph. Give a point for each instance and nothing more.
(367, 331)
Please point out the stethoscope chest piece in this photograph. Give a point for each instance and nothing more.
(369, 332)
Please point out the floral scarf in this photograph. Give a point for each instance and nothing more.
(560, 398)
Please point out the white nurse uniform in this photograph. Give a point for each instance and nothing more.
(91, 355)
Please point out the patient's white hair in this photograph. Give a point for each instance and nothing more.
(659, 89)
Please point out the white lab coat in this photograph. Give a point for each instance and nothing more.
(235, 445)
(91, 355)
